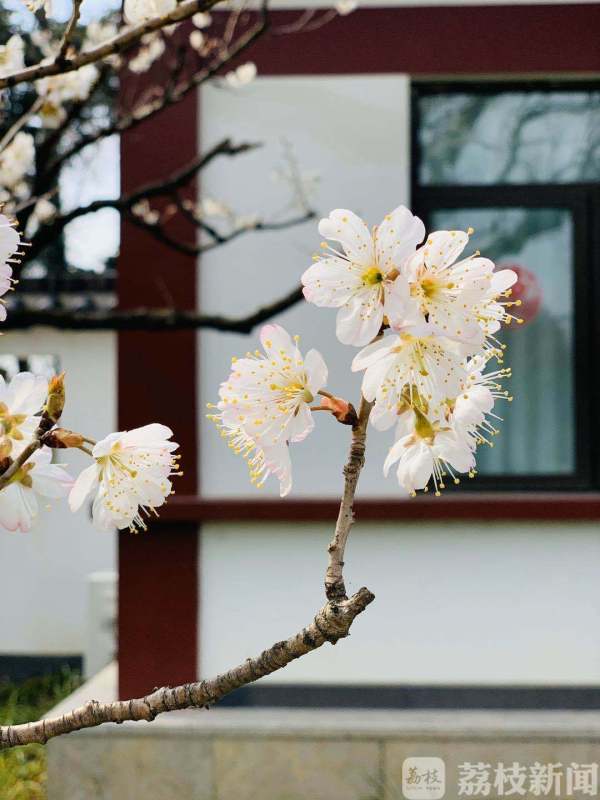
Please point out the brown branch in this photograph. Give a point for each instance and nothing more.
(20, 123)
(161, 235)
(118, 44)
(37, 440)
(48, 232)
(16, 465)
(149, 319)
(334, 577)
(147, 110)
(331, 623)
(61, 58)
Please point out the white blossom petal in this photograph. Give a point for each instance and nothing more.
(85, 485)
(316, 371)
(350, 231)
(397, 237)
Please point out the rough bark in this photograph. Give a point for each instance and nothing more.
(331, 623)
(335, 588)
(148, 319)
(124, 41)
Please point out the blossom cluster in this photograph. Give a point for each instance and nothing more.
(426, 318)
(128, 479)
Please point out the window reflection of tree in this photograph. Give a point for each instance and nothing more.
(537, 438)
(537, 435)
(510, 138)
(523, 135)
(11, 365)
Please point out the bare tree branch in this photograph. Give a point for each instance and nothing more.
(149, 319)
(10, 468)
(61, 58)
(334, 577)
(118, 44)
(197, 249)
(147, 110)
(164, 186)
(15, 466)
(331, 623)
(20, 123)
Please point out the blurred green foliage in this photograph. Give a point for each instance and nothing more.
(23, 769)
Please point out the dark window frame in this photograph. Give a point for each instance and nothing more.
(583, 201)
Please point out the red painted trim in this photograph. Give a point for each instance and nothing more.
(158, 592)
(453, 40)
(460, 506)
(158, 606)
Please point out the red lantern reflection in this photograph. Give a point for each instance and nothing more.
(527, 289)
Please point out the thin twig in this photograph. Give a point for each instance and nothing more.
(16, 465)
(331, 623)
(149, 319)
(161, 235)
(335, 588)
(20, 123)
(118, 44)
(164, 186)
(61, 58)
(37, 441)
(148, 110)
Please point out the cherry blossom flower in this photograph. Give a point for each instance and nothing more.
(241, 76)
(427, 452)
(57, 90)
(98, 32)
(197, 40)
(202, 19)
(262, 462)
(138, 11)
(418, 360)
(9, 246)
(265, 403)
(445, 292)
(12, 56)
(151, 50)
(37, 477)
(492, 311)
(345, 7)
(473, 406)
(15, 161)
(43, 212)
(39, 5)
(20, 399)
(130, 477)
(364, 280)
(269, 394)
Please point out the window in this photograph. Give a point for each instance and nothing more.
(521, 165)
(46, 365)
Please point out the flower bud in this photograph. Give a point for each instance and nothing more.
(61, 438)
(56, 397)
(341, 409)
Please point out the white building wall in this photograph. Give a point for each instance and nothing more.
(348, 136)
(456, 603)
(43, 588)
